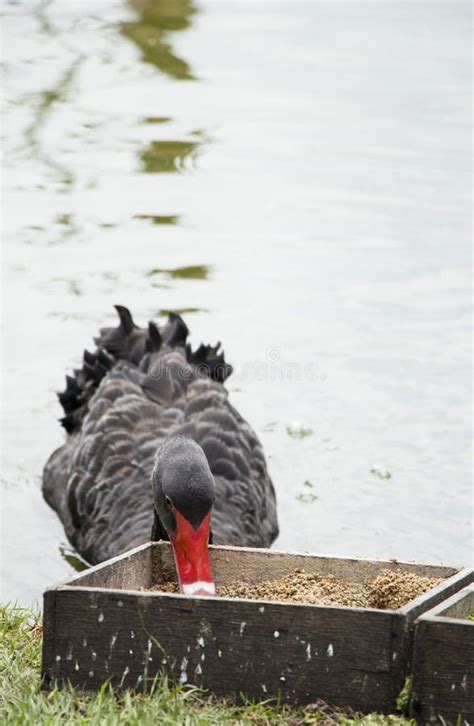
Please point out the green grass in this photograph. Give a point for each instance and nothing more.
(23, 703)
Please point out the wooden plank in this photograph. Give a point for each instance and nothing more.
(135, 569)
(103, 624)
(443, 671)
(131, 570)
(438, 594)
(460, 606)
(49, 635)
(428, 600)
(253, 565)
(400, 639)
(342, 655)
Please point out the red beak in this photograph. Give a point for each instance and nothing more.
(190, 547)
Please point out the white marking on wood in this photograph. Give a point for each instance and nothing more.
(308, 651)
(200, 641)
(276, 634)
(76, 667)
(242, 628)
(330, 651)
(198, 670)
(282, 678)
(91, 674)
(101, 617)
(124, 675)
(261, 609)
(94, 655)
(464, 682)
(58, 658)
(264, 688)
(203, 656)
(113, 640)
(183, 676)
(219, 653)
(205, 628)
(84, 643)
(120, 604)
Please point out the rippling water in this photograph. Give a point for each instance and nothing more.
(295, 177)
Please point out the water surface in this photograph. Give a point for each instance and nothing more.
(296, 177)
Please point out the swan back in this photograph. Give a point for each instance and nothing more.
(138, 388)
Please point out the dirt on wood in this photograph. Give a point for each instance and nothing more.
(390, 590)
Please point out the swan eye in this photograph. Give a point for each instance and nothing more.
(168, 501)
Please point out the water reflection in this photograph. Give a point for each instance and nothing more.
(307, 495)
(72, 558)
(158, 218)
(192, 272)
(164, 312)
(46, 101)
(162, 157)
(156, 120)
(158, 18)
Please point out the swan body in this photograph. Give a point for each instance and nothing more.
(153, 441)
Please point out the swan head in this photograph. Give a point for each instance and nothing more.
(183, 495)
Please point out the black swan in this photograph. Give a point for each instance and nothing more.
(153, 447)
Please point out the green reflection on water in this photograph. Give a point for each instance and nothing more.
(298, 431)
(164, 157)
(156, 120)
(156, 19)
(65, 219)
(46, 101)
(158, 218)
(193, 272)
(72, 558)
(181, 311)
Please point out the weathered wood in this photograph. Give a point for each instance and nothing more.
(461, 606)
(132, 571)
(428, 600)
(443, 663)
(49, 635)
(438, 594)
(103, 625)
(253, 565)
(343, 655)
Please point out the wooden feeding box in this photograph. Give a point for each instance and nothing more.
(103, 624)
(443, 662)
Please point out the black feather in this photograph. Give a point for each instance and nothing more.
(126, 320)
(154, 340)
(176, 331)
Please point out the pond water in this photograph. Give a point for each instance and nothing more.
(295, 176)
